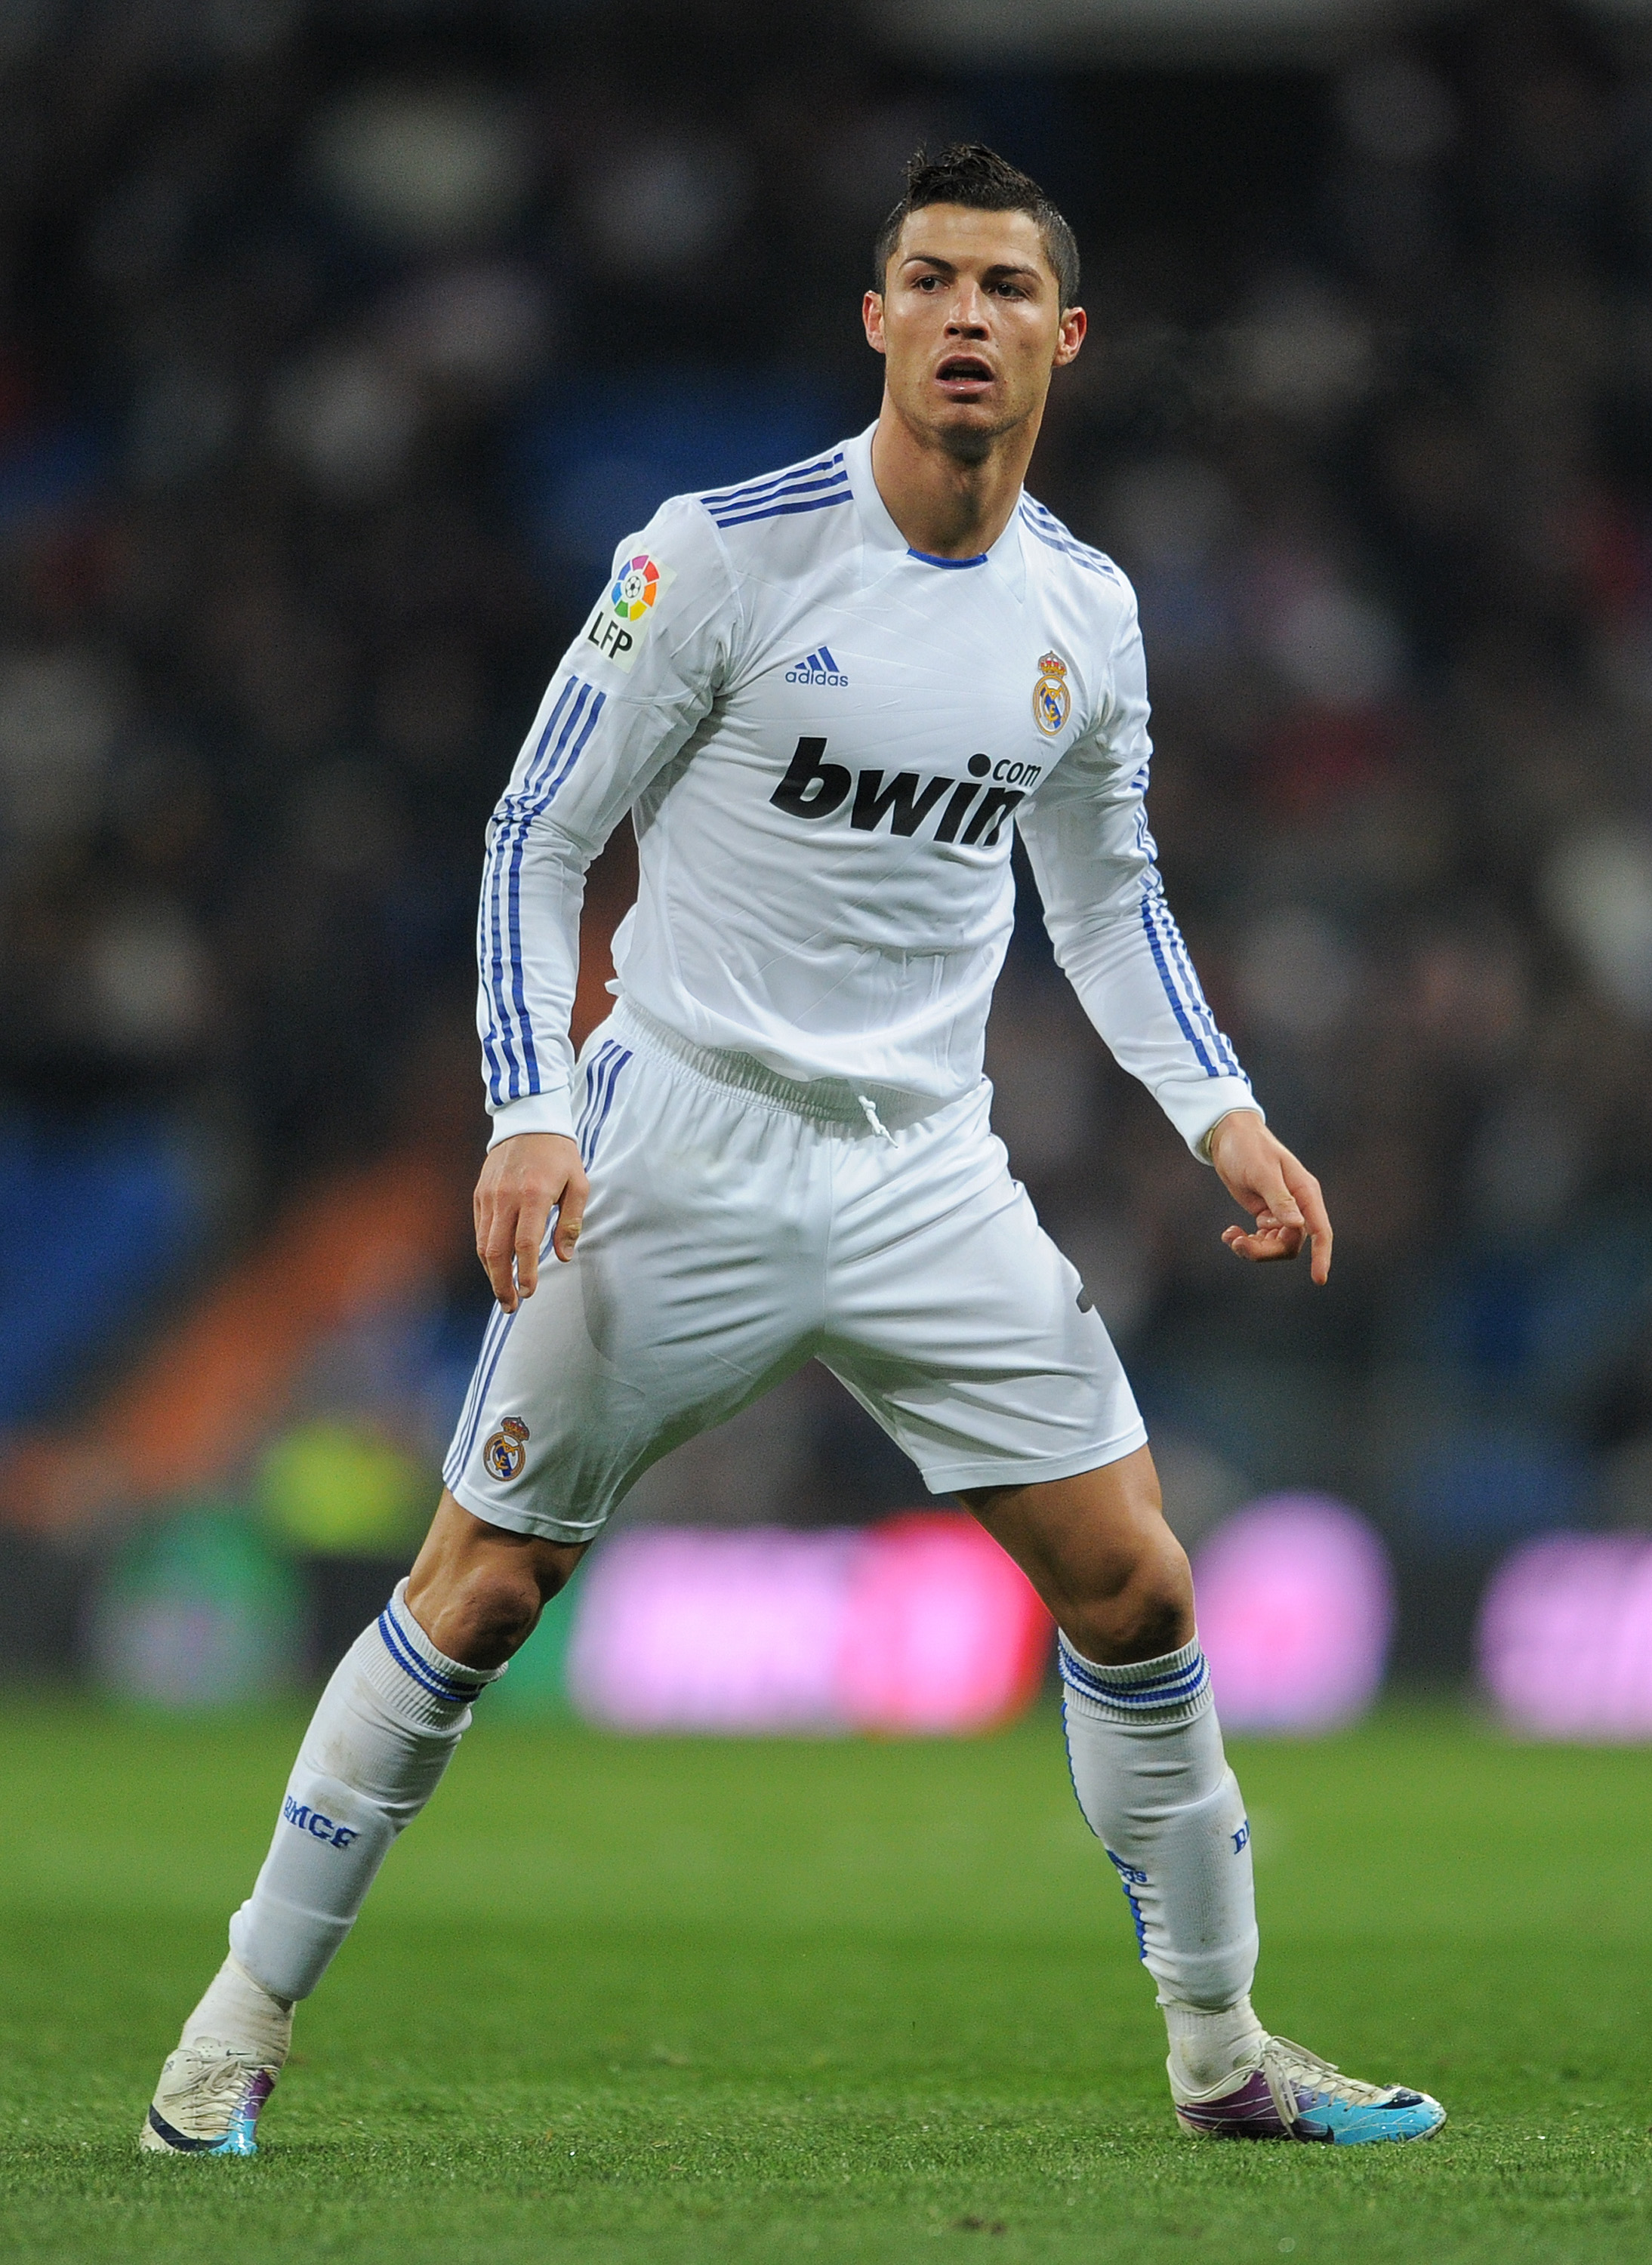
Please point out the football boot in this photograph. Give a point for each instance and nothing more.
(207, 2102)
(1290, 2094)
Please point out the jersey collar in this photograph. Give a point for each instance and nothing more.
(885, 544)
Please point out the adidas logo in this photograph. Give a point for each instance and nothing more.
(820, 668)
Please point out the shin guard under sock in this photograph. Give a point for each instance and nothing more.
(1155, 1788)
(377, 1744)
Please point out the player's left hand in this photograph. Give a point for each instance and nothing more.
(1278, 1192)
(526, 1180)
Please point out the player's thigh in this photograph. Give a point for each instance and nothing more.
(957, 1322)
(688, 1295)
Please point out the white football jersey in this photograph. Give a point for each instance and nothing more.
(824, 740)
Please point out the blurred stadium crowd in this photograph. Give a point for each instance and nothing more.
(338, 343)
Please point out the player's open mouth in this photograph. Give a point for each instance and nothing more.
(963, 377)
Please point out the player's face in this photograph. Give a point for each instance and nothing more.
(970, 325)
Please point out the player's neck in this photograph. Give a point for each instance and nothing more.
(945, 504)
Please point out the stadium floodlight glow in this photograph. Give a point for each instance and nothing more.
(1295, 1611)
(920, 1625)
(1564, 1639)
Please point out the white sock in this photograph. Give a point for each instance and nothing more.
(1208, 2049)
(1155, 1789)
(238, 2011)
(374, 1753)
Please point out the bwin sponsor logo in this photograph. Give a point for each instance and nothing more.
(318, 1827)
(971, 811)
(819, 668)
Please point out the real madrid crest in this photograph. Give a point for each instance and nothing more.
(1051, 699)
(506, 1451)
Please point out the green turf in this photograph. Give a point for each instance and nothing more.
(689, 2002)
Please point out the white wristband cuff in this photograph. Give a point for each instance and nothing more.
(551, 1111)
(1196, 1109)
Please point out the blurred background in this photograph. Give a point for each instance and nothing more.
(339, 342)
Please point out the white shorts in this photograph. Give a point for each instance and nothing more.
(739, 1224)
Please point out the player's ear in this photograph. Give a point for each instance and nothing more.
(1070, 335)
(872, 316)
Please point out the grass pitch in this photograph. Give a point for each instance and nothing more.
(686, 2002)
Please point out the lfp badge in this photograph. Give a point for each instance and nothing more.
(621, 619)
(1052, 702)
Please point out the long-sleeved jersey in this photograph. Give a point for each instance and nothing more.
(825, 739)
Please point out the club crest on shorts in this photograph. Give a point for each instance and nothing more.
(1052, 702)
(506, 1451)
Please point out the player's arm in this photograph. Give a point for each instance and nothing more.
(639, 677)
(1115, 938)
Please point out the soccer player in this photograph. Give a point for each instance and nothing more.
(827, 696)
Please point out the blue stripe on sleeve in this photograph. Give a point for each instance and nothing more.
(528, 812)
(575, 751)
(1196, 993)
(512, 825)
(724, 498)
(787, 510)
(496, 1043)
(1043, 522)
(568, 690)
(496, 1087)
(1170, 992)
(1191, 990)
(812, 483)
(502, 832)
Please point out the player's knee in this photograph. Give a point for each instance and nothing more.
(1147, 1614)
(483, 1612)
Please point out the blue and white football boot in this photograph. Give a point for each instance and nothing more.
(207, 2102)
(1290, 2094)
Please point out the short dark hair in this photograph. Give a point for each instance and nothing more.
(969, 173)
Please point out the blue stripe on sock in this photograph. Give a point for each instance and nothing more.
(429, 1679)
(1162, 1687)
(1173, 1688)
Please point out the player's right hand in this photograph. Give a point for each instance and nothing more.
(523, 1180)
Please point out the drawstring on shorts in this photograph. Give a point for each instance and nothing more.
(874, 1120)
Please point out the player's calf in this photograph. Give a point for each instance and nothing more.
(1154, 1784)
(384, 1731)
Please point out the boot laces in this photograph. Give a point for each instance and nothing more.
(1287, 2065)
(207, 2074)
